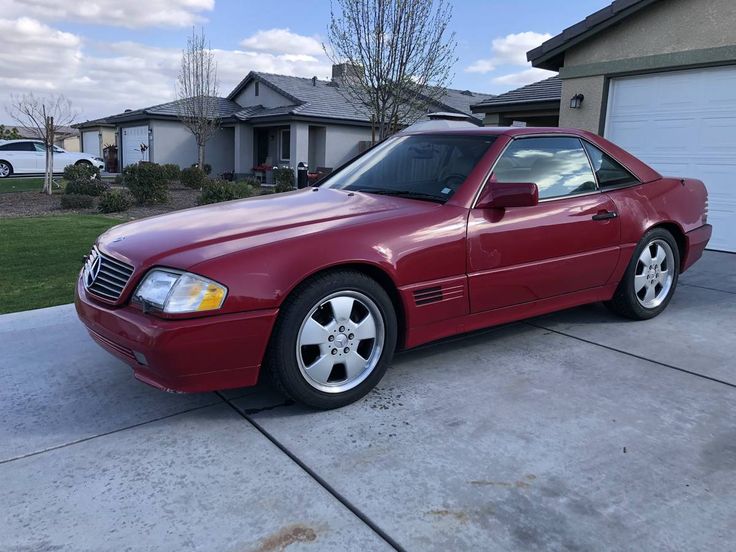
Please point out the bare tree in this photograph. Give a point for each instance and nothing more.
(400, 53)
(196, 91)
(46, 116)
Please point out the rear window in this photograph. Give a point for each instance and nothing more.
(18, 146)
(610, 173)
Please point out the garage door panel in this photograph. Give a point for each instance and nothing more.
(683, 123)
(133, 139)
(716, 135)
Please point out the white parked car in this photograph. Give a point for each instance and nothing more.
(29, 157)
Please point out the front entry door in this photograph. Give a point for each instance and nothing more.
(567, 243)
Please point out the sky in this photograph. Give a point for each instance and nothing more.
(110, 55)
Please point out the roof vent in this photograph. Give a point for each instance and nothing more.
(127, 111)
(314, 81)
(467, 93)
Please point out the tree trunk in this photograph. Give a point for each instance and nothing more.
(48, 178)
(200, 157)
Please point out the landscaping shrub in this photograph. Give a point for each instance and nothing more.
(215, 191)
(206, 168)
(114, 201)
(82, 171)
(76, 201)
(171, 171)
(192, 177)
(283, 179)
(147, 183)
(85, 186)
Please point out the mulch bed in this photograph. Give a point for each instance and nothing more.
(34, 204)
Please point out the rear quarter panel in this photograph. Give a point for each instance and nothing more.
(666, 201)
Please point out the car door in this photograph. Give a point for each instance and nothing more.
(62, 159)
(568, 242)
(22, 156)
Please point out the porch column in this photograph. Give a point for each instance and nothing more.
(299, 145)
(243, 144)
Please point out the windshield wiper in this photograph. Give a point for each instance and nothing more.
(410, 194)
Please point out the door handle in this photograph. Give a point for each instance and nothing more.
(605, 215)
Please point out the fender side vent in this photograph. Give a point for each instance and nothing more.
(428, 295)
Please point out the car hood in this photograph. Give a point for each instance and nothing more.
(185, 238)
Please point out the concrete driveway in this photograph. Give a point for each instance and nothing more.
(574, 431)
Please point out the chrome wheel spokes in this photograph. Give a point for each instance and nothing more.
(340, 341)
(654, 274)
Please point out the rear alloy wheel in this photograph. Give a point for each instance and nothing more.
(5, 169)
(650, 279)
(334, 339)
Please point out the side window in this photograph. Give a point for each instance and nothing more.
(26, 146)
(6, 147)
(609, 172)
(557, 165)
(39, 147)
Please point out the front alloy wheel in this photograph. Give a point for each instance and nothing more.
(334, 338)
(5, 170)
(340, 341)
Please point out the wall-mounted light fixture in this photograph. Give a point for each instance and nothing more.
(576, 102)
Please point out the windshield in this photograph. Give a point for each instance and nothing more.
(424, 166)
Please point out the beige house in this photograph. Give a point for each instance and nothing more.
(658, 77)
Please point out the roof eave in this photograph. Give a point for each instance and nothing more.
(551, 54)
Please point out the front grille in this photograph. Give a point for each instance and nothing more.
(105, 276)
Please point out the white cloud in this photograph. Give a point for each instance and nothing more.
(520, 78)
(481, 66)
(511, 49)
(508, 50)
(125, 13)
(103, 78)
(283, 41)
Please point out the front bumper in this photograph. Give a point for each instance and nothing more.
(696, 241)
(200, 354)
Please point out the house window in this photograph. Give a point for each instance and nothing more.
(256, 88)
(285, 138)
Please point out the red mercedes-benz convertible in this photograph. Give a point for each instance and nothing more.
(426, 235)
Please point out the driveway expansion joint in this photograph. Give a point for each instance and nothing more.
(105, 434)
(314, 475)
(634, 355)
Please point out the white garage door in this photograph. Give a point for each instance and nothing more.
(135, 145)
(683, 123)
(91, 143)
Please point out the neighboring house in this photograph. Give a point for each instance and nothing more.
(267, 120)
(657, 77)
(96, 135)
(66, 138)
(536, 104)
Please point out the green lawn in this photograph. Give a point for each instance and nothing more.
(40, 258)
(29, 184)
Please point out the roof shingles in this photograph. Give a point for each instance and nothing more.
(547, 90)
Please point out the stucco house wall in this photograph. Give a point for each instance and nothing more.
(673, 34)
(267, 97)
(172, 142)
(342, 143)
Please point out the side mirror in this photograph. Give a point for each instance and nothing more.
(508, 194)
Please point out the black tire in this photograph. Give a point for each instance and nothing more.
(3, 173)
(286, 369)
(83, 162)
(625, 301)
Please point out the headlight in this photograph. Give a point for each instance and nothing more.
(179, 292)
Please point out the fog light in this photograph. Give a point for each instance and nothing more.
(141, 358)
